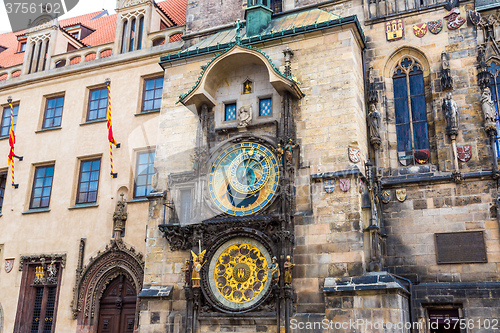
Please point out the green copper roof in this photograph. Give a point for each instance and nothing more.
(283, 26)
(283, 23)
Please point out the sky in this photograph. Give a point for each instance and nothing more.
(83, 7)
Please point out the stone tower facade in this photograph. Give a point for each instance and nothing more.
(386, 202)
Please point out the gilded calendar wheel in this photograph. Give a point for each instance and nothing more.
(238, 274)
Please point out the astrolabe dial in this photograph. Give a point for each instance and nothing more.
(239, 273)
(243, 178)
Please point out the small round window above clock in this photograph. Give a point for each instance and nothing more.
(243, 178)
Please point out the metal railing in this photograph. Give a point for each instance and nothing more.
(378, 9)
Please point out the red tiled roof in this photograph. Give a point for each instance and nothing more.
(104, 30)
(78, 19)
(104, 27)
(175, 38)
(9, 57)
(175, 10)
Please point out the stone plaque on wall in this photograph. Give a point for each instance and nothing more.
(460, 247)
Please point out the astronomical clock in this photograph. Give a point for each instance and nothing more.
(239, 226)
(243, 179)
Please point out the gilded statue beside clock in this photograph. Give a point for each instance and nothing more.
(244, 178)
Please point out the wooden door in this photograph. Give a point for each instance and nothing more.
(117, 307)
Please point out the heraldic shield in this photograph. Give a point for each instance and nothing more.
(329, 185)
(345, 184)
(405, 157)
(401, 195)
(420, 30)
(385, 196)
(435, 27)
(9, 264)
(421, 156)
(394, 29)
(464, 153)
(354, 154)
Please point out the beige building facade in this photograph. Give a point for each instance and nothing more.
(70, 229)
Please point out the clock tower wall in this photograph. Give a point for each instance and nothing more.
(329, 239)
(329, 119)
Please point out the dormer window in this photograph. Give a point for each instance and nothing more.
(78, 31)
(21, 47)
(276, 6)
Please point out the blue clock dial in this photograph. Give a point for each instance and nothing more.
(243, 178)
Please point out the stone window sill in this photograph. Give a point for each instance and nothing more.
(84, 205)
(36, 210)
(48, 129)
(147, 112)
(138, 200)
(88, 122)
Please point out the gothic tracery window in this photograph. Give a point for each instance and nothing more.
(494, 70)
(410, 111)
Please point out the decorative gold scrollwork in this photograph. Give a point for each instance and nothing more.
(241, 273)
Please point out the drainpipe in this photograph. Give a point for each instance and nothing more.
(410, 299)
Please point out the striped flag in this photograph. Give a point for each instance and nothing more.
(111, 138)
(12, 140)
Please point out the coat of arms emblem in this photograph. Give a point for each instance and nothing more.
(345, 184)
(421, 156)
(405, 157)
(455, 21)
(354, 155)
(474, 17)
(9, 264)
(435, 27)
(385, 196)
(401, 195)
(329, 185)
(420, 30)
(464, 153)
(394, 29)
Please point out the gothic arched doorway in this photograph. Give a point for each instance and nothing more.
(117, 307)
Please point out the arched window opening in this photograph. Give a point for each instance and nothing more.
(132, 35)
(159, 41)
(60, 63)
(277, 6)
(39, 46)
(411, 115)
(124, 37)
(32, 52)
(494, 70)
(139, 36)
(45, 54)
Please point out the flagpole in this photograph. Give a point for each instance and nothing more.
(12, 141)
(111, 139)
